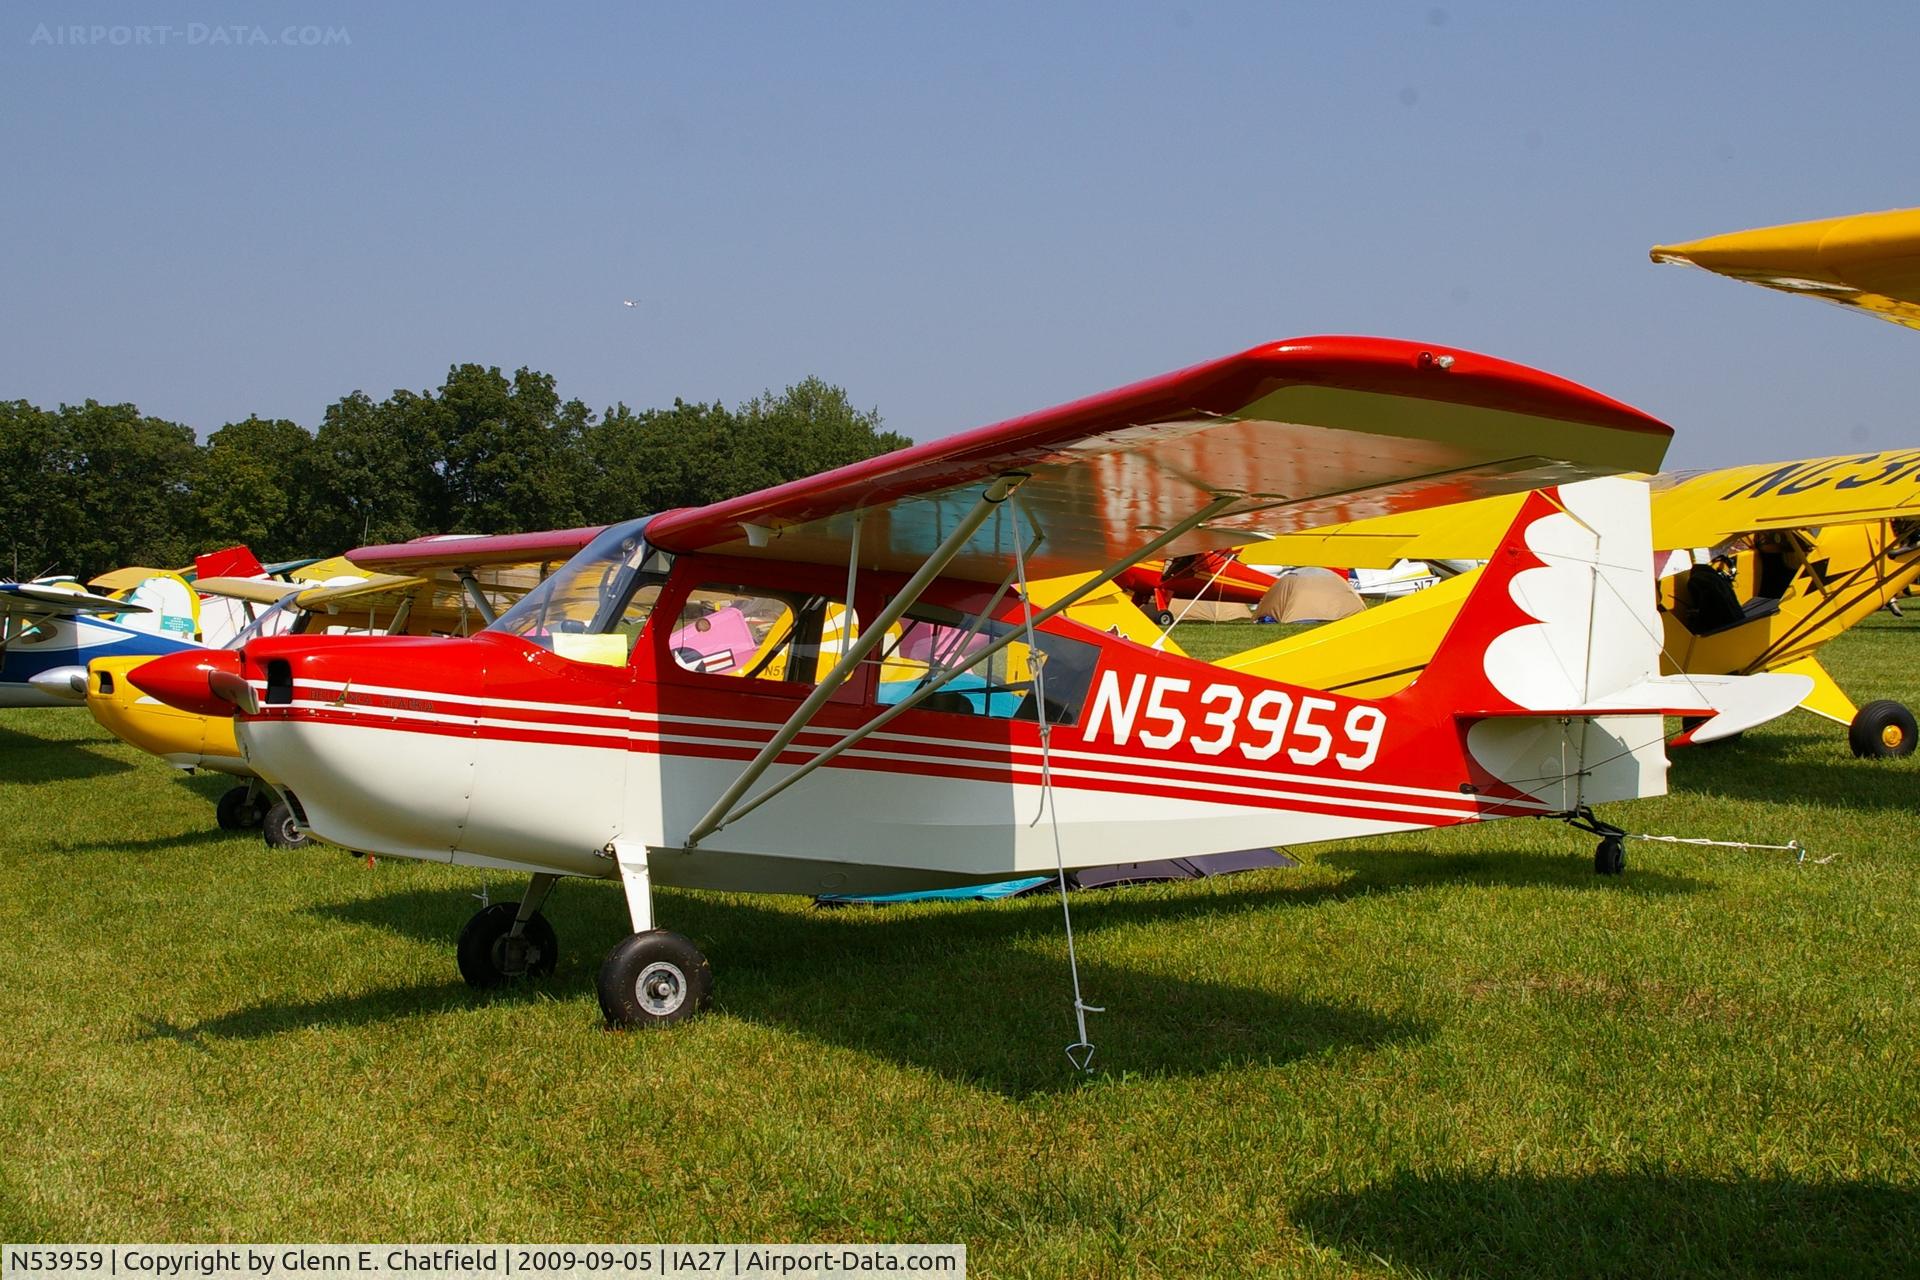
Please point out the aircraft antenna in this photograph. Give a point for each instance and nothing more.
(1080, 1052)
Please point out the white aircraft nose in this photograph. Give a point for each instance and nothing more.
(69, 683)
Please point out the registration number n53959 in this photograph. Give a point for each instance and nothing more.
(1162, 711)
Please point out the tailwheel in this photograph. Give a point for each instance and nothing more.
(491, 954)
(1163, 618)
(1610, 857)
(282, 828)
(240, 808)
(652, 979)
(1882, 730)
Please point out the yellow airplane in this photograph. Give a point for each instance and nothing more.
(428, 603)
(1765, 563)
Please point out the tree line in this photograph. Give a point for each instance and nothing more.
(89, 487)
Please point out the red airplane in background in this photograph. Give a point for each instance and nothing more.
(1218, 575)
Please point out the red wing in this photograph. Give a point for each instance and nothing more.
(1311, 431)
(457, 551)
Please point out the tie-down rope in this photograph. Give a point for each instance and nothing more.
(1080, 1052)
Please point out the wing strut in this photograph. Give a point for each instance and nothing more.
(870, 636)
(913, 699)
(479, 597)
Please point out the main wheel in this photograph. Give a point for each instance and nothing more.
(238, 809)
(1610, 858)
(282, 830)
(1163, 619)
(1882, 730)
(489, 957)
(654, 978)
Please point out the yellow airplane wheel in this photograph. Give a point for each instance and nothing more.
(1882, 730)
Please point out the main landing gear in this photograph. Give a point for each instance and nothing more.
(243, 807)
(251, 805)
(508, 941)
(653, 977)
(1882, 730)
(281, 828)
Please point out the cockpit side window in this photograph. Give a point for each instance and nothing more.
(760, 633)
(21, 632)
(931, 641)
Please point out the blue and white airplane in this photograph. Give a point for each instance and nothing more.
(50, 631)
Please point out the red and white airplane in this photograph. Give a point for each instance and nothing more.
(1204, 575)
(588, 733)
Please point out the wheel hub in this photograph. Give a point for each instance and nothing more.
(661, 988)
(512, 956)
(1892, 736)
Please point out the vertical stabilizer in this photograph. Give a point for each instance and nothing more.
(1552, 666)
(1563, 618)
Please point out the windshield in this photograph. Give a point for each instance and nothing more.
(276, 620)
(607, 589)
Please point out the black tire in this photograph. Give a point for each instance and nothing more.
(652, 979)
(489, 959)
(1610, 857)
(282, 829)
(238, 810)
(1163, 619)
(1882, 730)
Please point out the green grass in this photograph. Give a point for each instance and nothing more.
(1443, 1054)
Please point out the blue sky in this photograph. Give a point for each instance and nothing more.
(958, 212)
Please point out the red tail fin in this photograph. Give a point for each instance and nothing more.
(233, 562)
(1562, 617)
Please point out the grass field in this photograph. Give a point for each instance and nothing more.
(1444, 1054)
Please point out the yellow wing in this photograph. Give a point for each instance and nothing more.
(322, 570)
(1869, 261)
(1701, 509)
(1464, 531)
(1690, 509)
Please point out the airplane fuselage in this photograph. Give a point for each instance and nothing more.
(56, 644)
(498, 752)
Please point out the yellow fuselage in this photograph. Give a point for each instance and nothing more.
(182, 739)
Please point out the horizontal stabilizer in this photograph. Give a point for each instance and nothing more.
(1726, 705)
(1738, 703)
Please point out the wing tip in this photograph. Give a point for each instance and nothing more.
(1455, 373)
